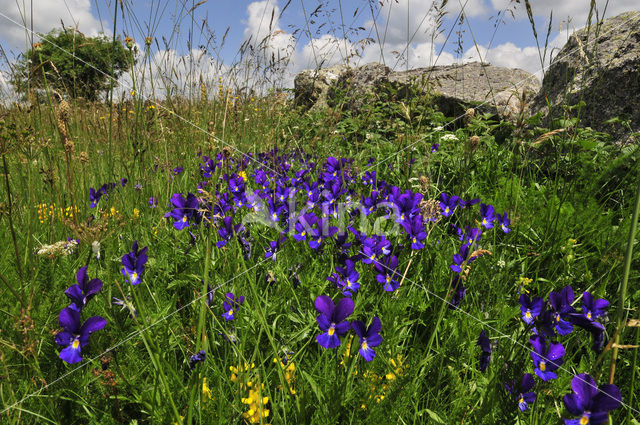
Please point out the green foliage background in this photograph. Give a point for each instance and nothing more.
(73, 64)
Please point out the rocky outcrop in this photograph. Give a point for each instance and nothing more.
(498, 90)
(600, 66)
(311, 86)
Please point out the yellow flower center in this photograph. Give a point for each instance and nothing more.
(543, 366)
(184, 219)
(230, 312)
(331, 330)
(589, 315)
(134, 276)
(76, 344)
(528, 314)
(584, 420)
(364, 345)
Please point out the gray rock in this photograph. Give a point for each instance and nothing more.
(312, 86)
(496, 89)
(604, 72)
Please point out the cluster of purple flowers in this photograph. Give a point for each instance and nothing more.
(328, 197)
(470, 237)
(104, 190)
(268, 194)
(557, 316)
(75, 334)
(547, 320)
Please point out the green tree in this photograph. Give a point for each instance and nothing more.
(71, 63)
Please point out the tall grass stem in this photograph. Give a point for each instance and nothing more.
(625, 280)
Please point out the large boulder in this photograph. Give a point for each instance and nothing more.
(602, 71)
(495, 89)
(454, 87)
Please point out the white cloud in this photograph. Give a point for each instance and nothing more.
(420, 55)
(472, 8)
(416, 20)
(324, 52)
(568, 14)
(508, 55)
(409, 20)
(264, 34)
(47, 15)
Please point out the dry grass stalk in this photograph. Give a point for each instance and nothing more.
(546, 136)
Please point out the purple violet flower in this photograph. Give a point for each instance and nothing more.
(560, 309)
(488, 216)
(133, 263)
(347, 278)
(274, 248)
(331, 320)
(388, 275)
(546, 359)
(593, 308)
(200, 356)
(485, 346)
(185, 210)
(75, 335)
(231, 305)
(369, 337)
(589, 402)
(522, 392)
(83, 291)
(530, 309)
(504, 221)
(448, 204)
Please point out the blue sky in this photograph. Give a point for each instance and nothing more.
(496, 31)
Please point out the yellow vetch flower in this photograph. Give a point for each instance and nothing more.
(523, 282)
(206, 391)
(136, 213)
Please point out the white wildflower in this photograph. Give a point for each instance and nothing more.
(62, 248)
(449, 137)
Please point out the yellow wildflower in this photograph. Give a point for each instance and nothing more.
(206, 391)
